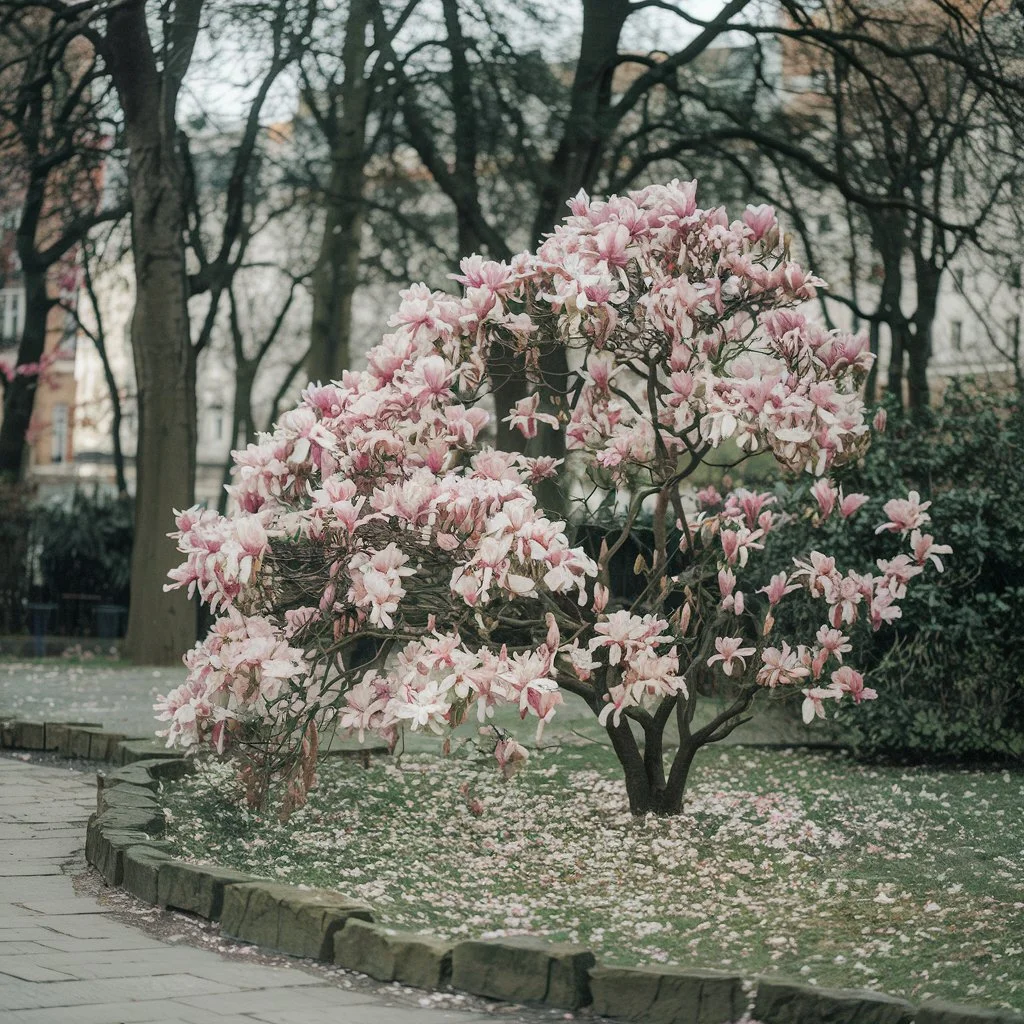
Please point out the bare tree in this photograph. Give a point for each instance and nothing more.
(904, 119)
(52, 139)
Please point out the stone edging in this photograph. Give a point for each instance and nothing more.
(123, 843)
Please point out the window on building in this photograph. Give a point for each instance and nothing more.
(12, 313)
(59, 433)
(824, 223)
(959, 184)
(956, 334)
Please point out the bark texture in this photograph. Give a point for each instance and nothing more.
(337, 271)
(161, 626)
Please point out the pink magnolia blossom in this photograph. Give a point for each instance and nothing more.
(781, 666)
(905, 514)
(814, 698)
(510, 756)
(778, 588)
(525, 417)
(852, 682)
(730, 652)
(925, 549)
(826, 495)
(850, 503)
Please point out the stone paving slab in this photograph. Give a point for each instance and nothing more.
(68, 958)
(369, 1014)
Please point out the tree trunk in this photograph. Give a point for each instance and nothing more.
(647, 789)
(241, 426)
(575, 166)
(161, 626)
(920, 343)
(871, 383)
(899, 343)
(337, 271)
(578, 157)
(99, 340)
(889, 236)
(638, 786)
(20, 394)
(115, 424)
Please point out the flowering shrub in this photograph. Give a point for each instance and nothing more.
(386, 571)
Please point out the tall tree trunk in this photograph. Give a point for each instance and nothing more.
(574, 166)
(919, 351)
(20, 394)
(115, 420)
(578, 157)
(507, 372)
(337, 271)
(889, 235)
(161, 626)
(99, 340)
(241, 425)
(899, 335)
(871, 383)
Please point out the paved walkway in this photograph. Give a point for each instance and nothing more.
(67, 958)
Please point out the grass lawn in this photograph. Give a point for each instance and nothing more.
(906, 880)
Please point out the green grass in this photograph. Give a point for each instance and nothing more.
(905, 880)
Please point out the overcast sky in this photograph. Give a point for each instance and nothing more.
(220, 80)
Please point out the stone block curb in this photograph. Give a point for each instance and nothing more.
(196, 888)
(789, 1002)
(128, 795)
(141, 871)
(287, 919)
(668, 995)
(30, 735)
(938, 1011)
(524, 969)
(123, 844)
(130, 751)
(421, 961)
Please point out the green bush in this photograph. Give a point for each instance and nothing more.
(86, 546)
(15, 533)
(950, 674)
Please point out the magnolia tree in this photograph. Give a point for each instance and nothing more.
(386, 571)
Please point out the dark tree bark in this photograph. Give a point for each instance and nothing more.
(241, 427)
(243, 421)
(577, 159)
(20, 393)
(161, 626)
(337, 272)
(928, 277)
(648, 788)
(889, 234)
